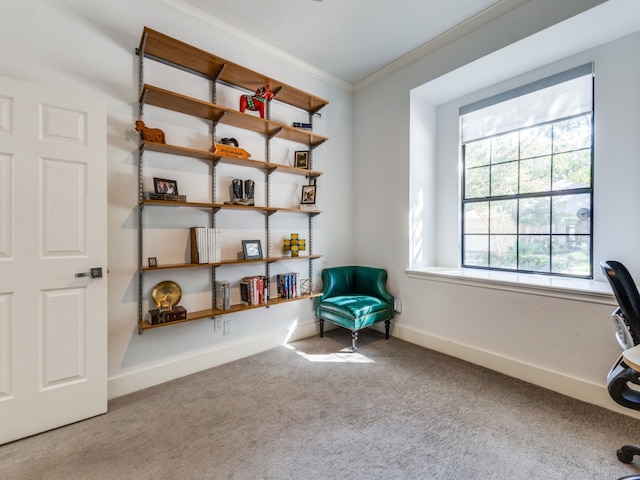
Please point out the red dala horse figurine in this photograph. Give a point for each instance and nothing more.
(257, 101)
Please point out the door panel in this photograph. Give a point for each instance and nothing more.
(53, 325)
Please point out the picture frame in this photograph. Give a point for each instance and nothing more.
(302, 159)
(163, 185)
(153, 262)
(252, 249)
(308, 195)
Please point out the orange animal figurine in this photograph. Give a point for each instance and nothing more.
(150, 134)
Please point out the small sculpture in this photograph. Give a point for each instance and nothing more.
(230, 141)
(242, 193)
(257, 101)
(294, 245)
(150, 134)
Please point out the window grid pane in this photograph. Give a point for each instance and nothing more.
(527, 199)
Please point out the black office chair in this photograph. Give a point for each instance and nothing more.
(626, 319)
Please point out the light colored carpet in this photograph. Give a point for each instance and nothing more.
(307, 411)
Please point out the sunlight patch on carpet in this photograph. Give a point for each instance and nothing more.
(343, 356)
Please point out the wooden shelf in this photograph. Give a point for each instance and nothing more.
(220, 206)
(168, 50)
(227, 262)
(176, 102)
(209, 156)
(213, 312)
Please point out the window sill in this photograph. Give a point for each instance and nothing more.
(593, 291)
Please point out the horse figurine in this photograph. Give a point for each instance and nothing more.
(150, 134)
(257, 101)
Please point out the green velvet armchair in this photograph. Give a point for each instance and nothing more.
(354, 297)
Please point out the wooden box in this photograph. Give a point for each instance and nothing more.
(176, 313)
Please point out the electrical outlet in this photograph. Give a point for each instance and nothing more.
(227, 327)
(217, 326)
(397, 305)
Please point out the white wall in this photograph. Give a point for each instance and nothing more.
(563, 343)
(89, 47)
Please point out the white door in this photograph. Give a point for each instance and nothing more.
(53, 325)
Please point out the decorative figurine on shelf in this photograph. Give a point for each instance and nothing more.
(294, 244)
(150, 134)
(229, 141)
(165, 296)
(257, 101)
(242, 193)
(305, 286)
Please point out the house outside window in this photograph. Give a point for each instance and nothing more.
(527, 188)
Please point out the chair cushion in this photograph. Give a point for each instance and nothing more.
(353, 306)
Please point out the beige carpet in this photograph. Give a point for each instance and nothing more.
(308, 411)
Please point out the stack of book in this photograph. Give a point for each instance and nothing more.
(288, 284)
(206, 245)
(174, 197)
(254, 290)
(223, 299)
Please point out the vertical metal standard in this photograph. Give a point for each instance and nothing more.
(268, 214)
(214, 182)
(310, 215)
(140, 187)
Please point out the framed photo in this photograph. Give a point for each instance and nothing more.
(162, 185)
(302, 159)
(252, 249)
(308, 195)
(153, 262)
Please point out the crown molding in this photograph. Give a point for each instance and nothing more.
(214, 24)
(209, 22)
(473, 23)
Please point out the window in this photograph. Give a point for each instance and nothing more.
(528, 177)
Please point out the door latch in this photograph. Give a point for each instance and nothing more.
(95, 272)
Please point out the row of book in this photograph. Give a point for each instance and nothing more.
(254, 290)
(288, 285)
(206, 245)
(223, 295)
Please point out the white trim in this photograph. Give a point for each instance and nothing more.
(192, 14)
(593, 291)
(577, 388)
(479, 20)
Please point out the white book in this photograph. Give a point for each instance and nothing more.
(202, 245)
(218, 249)
(210, 245)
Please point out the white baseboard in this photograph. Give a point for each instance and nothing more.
(159, 373)
(163, 372)
(572, 387)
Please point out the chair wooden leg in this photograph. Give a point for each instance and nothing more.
(321, 321)
(387, 325)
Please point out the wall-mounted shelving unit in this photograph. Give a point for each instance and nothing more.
(174, 53)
